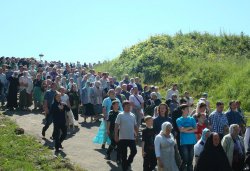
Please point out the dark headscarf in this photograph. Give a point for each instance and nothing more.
(213, 158)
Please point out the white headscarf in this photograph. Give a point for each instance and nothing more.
(164, 126)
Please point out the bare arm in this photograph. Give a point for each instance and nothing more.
(108, 126)
(187, 130)
(142, 148)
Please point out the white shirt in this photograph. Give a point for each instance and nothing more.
(30, 85)
(135, 100)
(23, 80)
(127, 123)
(170, 92)
(65, 98)
(198, 148)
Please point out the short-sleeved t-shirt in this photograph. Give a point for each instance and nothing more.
(186, 138)
(111, 119)
(126, 122)
(148, 136)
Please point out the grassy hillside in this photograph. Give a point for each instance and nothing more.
(23, 152)
(219, 65)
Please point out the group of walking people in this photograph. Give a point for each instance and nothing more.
(176, 132)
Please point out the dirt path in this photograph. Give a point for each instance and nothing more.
(79, 147)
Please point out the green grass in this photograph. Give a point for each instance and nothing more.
(197, 62)
(23, 152)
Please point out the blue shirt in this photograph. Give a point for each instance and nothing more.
(49, 96)
(186, 138)
(234, 117)
(218, 121)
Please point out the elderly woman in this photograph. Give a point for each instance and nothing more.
(199, 146)
(87, 101)
(12, 93)
(23, 97)
(37, 93)
(98, 95)
(151, 104)
(167, 156)
(233, 145)
(213, 157)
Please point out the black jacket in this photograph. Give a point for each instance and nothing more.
(58, 115)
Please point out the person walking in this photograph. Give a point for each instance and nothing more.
(58, 112)
(126, 123)
(48, 101)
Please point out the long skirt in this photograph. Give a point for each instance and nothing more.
(37, 94)
(102, 137)
(89, 109)
(23, 99)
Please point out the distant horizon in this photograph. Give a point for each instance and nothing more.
(96, 31)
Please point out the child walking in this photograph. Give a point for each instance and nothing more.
(148, 150)
(111, 130)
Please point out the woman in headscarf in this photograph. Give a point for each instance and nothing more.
(74, 100)
(199, 146)
(37, 93)
(102, 137)
(165, 149)
(98, 97)
(233, 145)
(12, 92)
(213, 157)
(87, 101)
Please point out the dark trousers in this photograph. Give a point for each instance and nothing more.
(123, 145)
(187, 153)
(178, 141)
(149, 161)
(75, 113)
(112, 147)
(48, 122)
(59, 134)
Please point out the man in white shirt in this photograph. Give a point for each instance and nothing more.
(172, 91)
(137, 104)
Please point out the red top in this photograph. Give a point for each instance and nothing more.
(199, 130)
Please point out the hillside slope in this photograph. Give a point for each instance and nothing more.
(219, 65)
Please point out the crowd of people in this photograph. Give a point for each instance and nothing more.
(177, 132)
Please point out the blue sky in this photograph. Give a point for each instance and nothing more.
(99, 30)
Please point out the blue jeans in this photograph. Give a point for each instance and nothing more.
(187, 153)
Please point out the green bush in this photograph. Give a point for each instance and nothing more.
(218, 65)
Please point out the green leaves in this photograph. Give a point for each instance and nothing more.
(201, 62)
